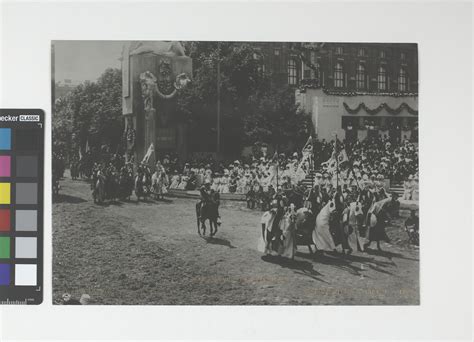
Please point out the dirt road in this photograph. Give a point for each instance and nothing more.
(150, 253)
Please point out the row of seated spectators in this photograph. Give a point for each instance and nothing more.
(372, 159)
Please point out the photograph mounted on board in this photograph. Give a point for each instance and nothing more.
(235, 173)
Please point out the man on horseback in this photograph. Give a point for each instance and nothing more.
(208, 198)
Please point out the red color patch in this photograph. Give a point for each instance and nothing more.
(4, 220)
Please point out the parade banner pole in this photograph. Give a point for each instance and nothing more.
(337, 164)
(277, 167)
(218, 101)
(311, 165)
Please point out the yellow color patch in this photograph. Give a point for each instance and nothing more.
(4, 193)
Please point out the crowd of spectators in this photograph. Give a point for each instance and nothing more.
(372, 159)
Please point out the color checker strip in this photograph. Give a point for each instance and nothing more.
(21, 206)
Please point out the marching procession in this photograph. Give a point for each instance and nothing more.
(188, 166)
(345, 203)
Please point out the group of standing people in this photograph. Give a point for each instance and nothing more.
(327, 221)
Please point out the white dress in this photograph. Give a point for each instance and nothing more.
(322, 237)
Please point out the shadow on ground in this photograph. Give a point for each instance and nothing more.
(299, 266)
(218, 241)
(62, 198)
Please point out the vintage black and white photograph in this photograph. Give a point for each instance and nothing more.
(235, 173)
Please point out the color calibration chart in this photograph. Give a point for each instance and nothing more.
(21, 206)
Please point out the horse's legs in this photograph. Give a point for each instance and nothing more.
(215, 227)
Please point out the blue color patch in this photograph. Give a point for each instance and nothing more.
(4, 274)
(5, 138)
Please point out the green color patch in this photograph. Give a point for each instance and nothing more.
(4, 247)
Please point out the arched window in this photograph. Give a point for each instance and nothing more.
(402, 80)
(338, 76)
(292, 72)
(360, 77)
(381, 79)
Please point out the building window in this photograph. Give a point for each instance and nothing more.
(292, 72)
(381, 79)
(361, 52)
(402, 80)
(277, 52)
(382, 54)
(360, 77)
(339, 50)
(402, 56)
(338, 76)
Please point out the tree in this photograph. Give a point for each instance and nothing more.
(251, 109)
(91, 112)
(240, 78)
(273, 118)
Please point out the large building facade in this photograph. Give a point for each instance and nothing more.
(350, 89)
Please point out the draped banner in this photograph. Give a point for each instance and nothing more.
(374, 111)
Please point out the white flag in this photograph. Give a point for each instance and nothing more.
(147, 156)
(342, 157)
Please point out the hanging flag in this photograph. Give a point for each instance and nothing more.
(148, 154)
(332, 166)
(275, 157)
(308, 147)
(342, 156)
(87, 145)
(80, 154)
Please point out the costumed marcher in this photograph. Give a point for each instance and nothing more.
(321, 235)
(378, 216)
(353, 220)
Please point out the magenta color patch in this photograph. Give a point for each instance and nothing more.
(5, 166)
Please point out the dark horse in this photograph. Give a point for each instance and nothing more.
(208, 211)
(305, 224)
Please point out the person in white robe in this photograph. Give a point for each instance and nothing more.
(322, 237)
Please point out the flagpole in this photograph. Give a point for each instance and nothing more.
(337, 164)
(277, 167)
(218, 124)
(311, 162)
